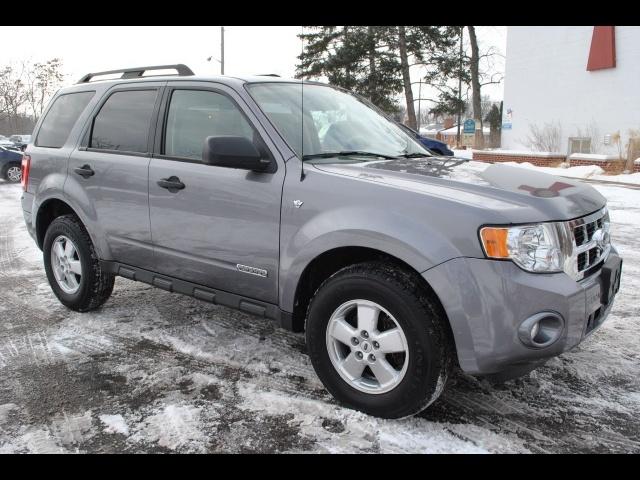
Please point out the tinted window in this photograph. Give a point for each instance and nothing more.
(123, 122)
(61, 118)
(195, 115)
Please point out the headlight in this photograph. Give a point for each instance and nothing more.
(535, 248)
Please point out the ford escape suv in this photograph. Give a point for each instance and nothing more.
(303, 203)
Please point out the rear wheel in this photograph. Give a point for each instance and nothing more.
(12, 172)
(377, 340)
(72, 266)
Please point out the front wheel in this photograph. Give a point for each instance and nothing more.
(377, 340)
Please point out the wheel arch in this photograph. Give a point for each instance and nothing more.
(50, 209)
(331, 261)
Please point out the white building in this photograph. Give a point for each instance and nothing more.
(583, 79)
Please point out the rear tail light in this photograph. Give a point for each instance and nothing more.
(26, 165)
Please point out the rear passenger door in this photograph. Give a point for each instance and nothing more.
(111, 170)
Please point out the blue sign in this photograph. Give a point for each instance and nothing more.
(506, 126)
(469, 126)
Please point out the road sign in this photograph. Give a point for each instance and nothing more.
(469, 126)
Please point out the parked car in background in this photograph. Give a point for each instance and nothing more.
(8, 144)
(10, 164)
(20, 141)
(436, 146)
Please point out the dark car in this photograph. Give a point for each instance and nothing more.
(10, 162)
(436, 146)
(20, 141)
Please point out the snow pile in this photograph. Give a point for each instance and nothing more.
(115, 424)
(581, 171)
(520, 153)
(468, 154)
(174, 427)
(591, 172)
(592, 157)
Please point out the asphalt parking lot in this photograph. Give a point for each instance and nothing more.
(158, 372)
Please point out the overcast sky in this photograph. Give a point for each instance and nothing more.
(248, 50)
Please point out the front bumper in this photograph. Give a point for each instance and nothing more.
(487, 300)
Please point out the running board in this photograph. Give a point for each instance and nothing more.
(217, 297)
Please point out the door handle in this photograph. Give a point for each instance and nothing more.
(173, 184)
(85, 171)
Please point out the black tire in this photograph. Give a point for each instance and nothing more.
(5, 171)
(95, 285)
(420, 317)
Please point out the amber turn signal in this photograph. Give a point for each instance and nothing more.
(494, 241)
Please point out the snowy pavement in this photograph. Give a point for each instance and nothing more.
(158, 372)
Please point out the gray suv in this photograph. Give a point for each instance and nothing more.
(303, 203)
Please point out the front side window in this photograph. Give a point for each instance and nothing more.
(61, 118)
(123, 122)
(195, 115)
(321, 120)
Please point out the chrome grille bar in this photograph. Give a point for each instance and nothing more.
(590, 243)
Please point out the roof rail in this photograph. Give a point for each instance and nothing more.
(182, 70)
(268, 75)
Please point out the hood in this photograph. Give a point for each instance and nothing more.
(521, 195)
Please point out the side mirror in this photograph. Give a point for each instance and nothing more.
(233, 152)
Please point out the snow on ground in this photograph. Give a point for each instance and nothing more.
(463, 153)
(590, 172)
(158, 372)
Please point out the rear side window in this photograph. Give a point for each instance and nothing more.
(61, 118)
(123, 122)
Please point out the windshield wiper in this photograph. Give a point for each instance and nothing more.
(415, 155)
(347, 153)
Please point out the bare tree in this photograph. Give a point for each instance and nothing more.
(43, 80)
(633, 148)
(25, 90)
(474, 67)
(545, 138)
(406, 78)
(12, 94)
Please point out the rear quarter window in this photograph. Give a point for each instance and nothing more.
(124, 121)
(61, 118)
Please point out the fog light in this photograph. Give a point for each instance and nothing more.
(541, 330)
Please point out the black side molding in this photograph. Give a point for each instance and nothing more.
(218, 297)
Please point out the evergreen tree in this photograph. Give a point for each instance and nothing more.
(354, 57)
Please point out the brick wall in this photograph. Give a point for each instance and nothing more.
(538, 160)
(610, 165)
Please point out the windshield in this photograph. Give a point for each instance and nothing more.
(318, 120)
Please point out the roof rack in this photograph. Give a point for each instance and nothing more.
(182, 70)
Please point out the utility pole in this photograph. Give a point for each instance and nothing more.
(419, 102)
(221, 50)
(460, 89)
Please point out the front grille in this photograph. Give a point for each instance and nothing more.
(590, 242)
